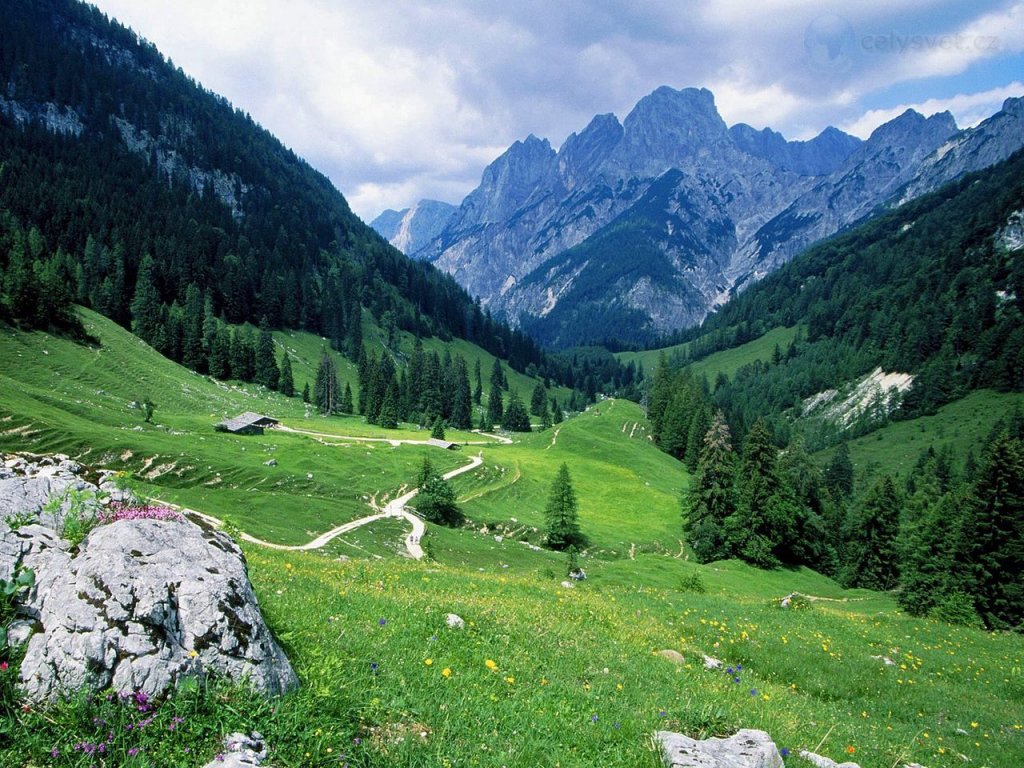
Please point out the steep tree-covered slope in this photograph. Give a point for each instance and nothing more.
(109, 154)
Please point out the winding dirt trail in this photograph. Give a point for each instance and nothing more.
(394, 508)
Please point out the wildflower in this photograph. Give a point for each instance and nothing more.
(662, 713)
(728, 670)
(3, 666)
(543, 681)
(428, 662)
(382, 622)
(784, 752)
(850, 749)
(736, 680)
(753, 691)
(974, 725)
(133, 752)
(446, 672)
(510, 680)
(594, 718)
(193, 653)
(491, 664)
(373, 667)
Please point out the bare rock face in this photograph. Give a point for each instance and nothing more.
(138, 606)
(745, 749)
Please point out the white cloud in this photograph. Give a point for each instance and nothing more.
(402, 100)
(969, 109)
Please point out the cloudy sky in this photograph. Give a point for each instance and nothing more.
(399, 100)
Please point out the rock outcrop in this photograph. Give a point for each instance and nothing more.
(138, 605)
(745, 749)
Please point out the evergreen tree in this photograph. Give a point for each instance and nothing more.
(346, 406)
(495, 409)
(286, 384)
(478, 386)
(267, 372)
(839, 473)
(461, 416)
(498, 380)
(436, 503)
(220, 354)
(561, 523)
(556, 412)
(192, 354)
(437, 430)
(145, 306)
(711, 499)
(325, 390)
(994, 533)
(538, 400)
(763, 519)
(515, 418)
(389, 407)
(426, 472)
(872, 548)
(305, 392)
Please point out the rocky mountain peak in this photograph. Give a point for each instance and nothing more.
(915, 127)
(670, 128)
(508, 181)
(582, 154)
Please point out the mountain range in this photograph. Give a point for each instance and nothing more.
(636, 228)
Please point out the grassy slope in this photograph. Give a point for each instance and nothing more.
(727, 361)
(563, 656)
(628, 490)
(963, 425)
(578, 683)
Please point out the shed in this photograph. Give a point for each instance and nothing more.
(448, 446)
(248, 423)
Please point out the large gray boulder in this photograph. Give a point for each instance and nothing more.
(745, 749)
(138, 605)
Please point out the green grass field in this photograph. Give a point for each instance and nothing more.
(574, 678)
(962, 425)
(727, 361)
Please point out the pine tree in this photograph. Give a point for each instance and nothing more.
(436, 503)
(872, 548)
(538, 400)
(764, 512)
(266, 372)
(346, 406)
(461, 416)
(515, 418)
(498, 380)
(495, 409)
(426, 472)
(325, 390)
(839, 473)
(556, 412)
(994, 532)
(192, 354)
(389, 407)
(437, 430)
(561, 516)
(145, 306)
(220, 354)
(711, 498)
(305, 392)
(286, 384)
(478, 387)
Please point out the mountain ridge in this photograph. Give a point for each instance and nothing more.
(779, 196)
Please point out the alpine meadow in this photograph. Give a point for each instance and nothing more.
(678, 445)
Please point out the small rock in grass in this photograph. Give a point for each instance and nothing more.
(674, 656)
(710, 662)
(241, 751)
(270, 463)
(568, 584)
(454, 621)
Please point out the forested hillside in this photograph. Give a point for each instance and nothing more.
(934, 289)
(122, 180)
